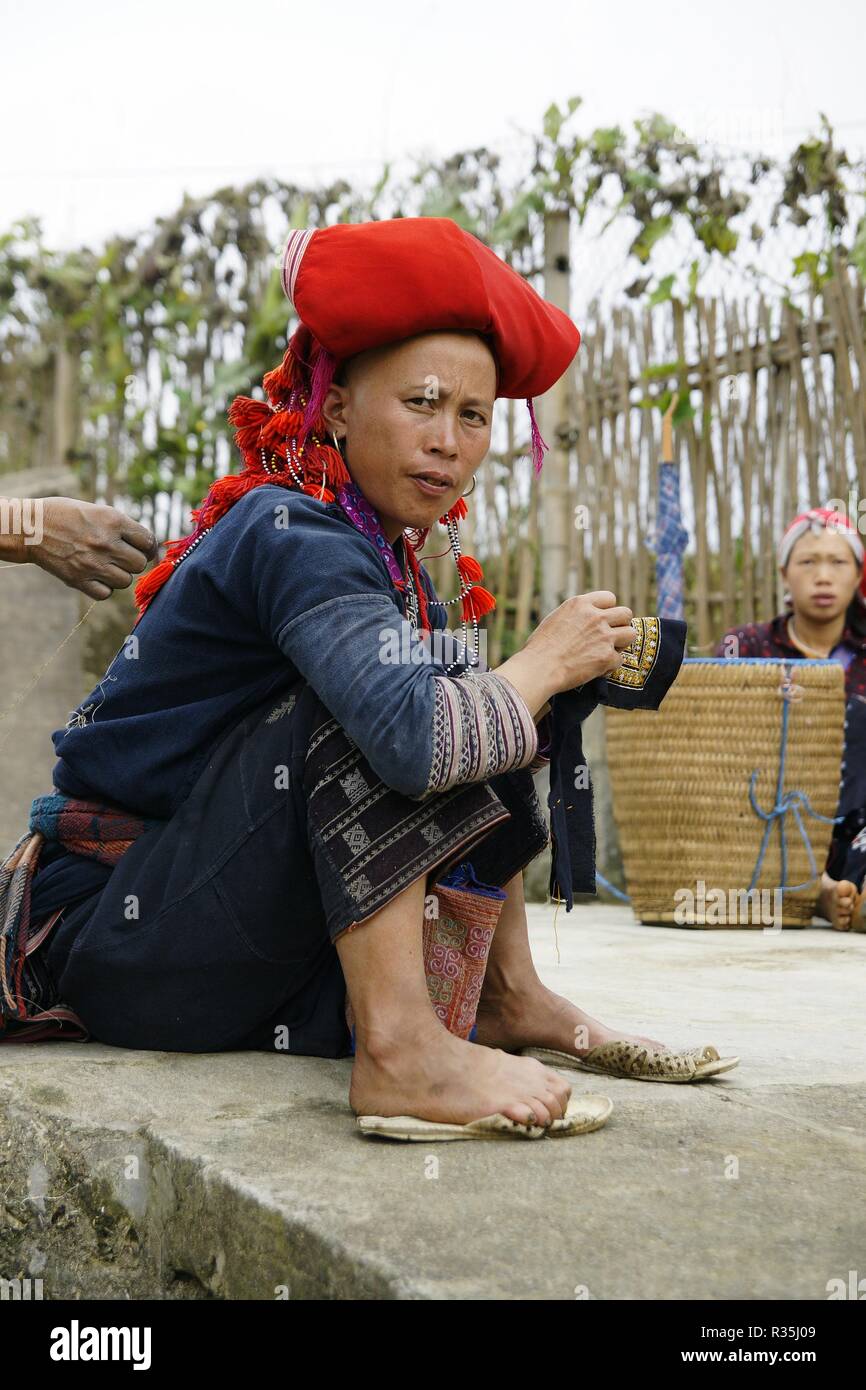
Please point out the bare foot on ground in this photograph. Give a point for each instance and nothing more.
(836, 902)
(536, 1017)
(436, 1076)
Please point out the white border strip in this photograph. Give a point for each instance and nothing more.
(293, 253)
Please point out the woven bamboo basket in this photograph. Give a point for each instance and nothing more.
(681, 776)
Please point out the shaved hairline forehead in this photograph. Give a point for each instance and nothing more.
(815, 542)
(349, 366)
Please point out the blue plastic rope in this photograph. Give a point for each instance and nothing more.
(609, 887)
(785, 802)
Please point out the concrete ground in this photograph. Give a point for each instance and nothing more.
(241, 1176)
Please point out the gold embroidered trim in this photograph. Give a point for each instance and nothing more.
(639, 659)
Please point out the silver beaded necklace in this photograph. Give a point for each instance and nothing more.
(413, 615)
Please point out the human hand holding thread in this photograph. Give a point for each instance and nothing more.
(581, 639)
(90, 546)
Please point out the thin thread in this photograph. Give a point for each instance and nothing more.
(438, 555)
(559, 902)
(26, 691)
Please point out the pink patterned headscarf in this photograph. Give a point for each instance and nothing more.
(824, 519)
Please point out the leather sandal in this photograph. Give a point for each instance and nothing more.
(583, 1114)
(639, 1063)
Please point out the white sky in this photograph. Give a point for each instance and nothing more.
(110, 111)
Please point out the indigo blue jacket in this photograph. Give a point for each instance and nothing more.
(283, 586)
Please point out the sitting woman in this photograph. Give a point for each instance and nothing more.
(251, 806)
(821, 558)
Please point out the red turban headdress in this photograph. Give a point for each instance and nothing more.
(357, 286)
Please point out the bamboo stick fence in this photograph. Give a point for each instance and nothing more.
(778, 424)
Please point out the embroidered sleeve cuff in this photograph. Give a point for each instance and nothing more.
(542, 756)
(481, 726)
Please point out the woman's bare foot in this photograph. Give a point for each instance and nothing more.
(533, 1016)
(836, 902)
(434, 1075)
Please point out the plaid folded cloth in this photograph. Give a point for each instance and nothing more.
(29, 1009)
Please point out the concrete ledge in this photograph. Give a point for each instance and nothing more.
(240, 1176)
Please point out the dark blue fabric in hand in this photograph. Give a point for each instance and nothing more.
(641, 681)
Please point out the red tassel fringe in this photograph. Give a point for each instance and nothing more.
(469, 568)
(149, 584)
(455, 513)
(477, 602)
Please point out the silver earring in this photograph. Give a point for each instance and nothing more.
(337, 444)
(472, 489)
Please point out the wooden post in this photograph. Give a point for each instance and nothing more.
(668, 430)
(64, 413)
(555, 540)
(557, 516)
